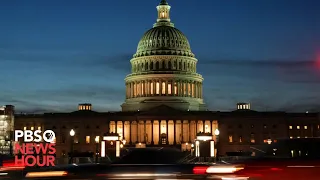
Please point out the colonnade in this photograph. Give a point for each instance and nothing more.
(160, 132)
(160, 87)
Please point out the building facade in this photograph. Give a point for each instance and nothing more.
(6, 128)
(164, 106)
(240, 130)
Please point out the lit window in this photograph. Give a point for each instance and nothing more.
(269, 141)
(230, 139)
(175, 89)
(163, 88)
(291, 137)
(32, 128)
(134, 89)
(138, 89)
(24, 128)
(298, 137)
(142, 88)
(189, 89)
(39, 127)
(252, 140)
(306, 137)
(290, 127)
(240, 139)
(298, 127)
(162, 14)
(184, 89)
(97, 138)
(169, 88)
(157, 88)
(151, 88)
(193, 90)
(87, 139)
(305, 127)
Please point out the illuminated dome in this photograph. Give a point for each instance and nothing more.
(164, 40)
(164, 70)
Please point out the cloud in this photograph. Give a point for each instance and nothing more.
(117, 62)
(66, 99)
(258, 63)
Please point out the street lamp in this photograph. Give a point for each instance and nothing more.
(217, 132)
(72, 133)
(97, 147)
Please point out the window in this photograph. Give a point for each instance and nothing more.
(298, 127)
(163, 14)
(32, 128)
(230, 139)
(142, 89)
(291, 137)
(305, 127)
(193, 93)
(175, 89)
(151, 88)
(39, 127)
(252, 140)
(97, 138)
(157, 88)
(163, 88)
(290, 127)
(240, 139)
(25, 128)
(298, 137)
(88, 139)
(169, 88)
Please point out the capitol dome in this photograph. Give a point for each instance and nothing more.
(164, 70)
(163, 40)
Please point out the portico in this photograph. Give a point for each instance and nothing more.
(175, 128)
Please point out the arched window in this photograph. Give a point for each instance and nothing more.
(151, 65)
(163, 65)
(157, 65)
(146, 68)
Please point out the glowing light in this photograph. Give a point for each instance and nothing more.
(47, 174)
(103, 149)
(204, 138)
(111, 138)
(72, 132)
(217, 132)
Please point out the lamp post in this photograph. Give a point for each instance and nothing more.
(97, 148)
(216, 133)
(72, 133)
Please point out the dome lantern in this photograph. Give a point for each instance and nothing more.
(163, 14)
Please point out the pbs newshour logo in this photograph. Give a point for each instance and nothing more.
(37, 148)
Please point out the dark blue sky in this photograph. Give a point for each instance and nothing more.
(56, 54)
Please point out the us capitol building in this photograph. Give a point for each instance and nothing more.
(164, 106)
